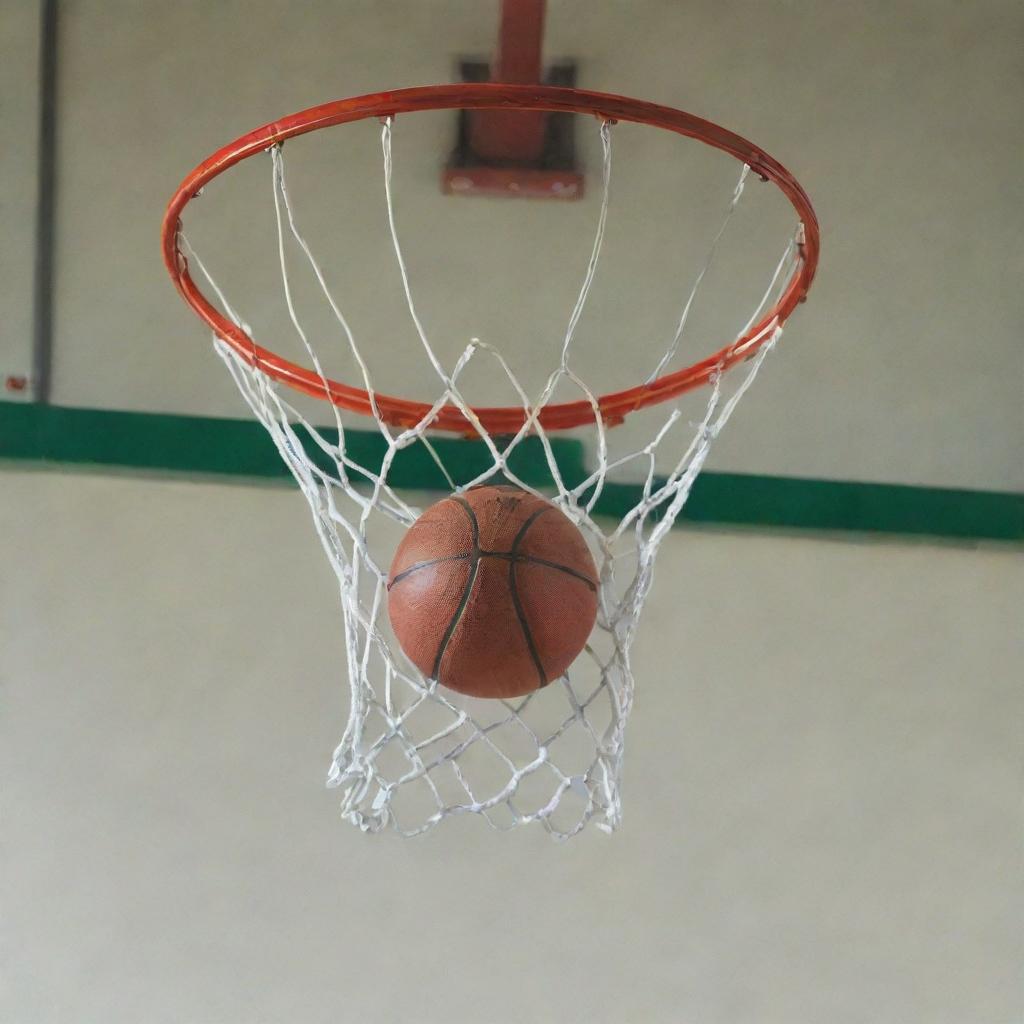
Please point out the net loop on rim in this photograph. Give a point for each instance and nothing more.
(412, 753)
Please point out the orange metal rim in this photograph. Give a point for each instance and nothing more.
(401, 412)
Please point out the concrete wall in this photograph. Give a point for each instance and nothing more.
(823, 813)
(902, 119)
(822, 801)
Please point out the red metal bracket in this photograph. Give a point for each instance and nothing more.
(523, 153)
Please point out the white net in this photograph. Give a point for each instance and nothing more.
(412, 752)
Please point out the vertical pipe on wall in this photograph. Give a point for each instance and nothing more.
(46, 178)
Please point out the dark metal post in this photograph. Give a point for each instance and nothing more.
(46, 177)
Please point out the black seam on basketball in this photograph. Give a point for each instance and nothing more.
(516, 557)
(457, 617)
(472, 519)
(529, 522)
(425, 565)
(542, 561)
(534, 560)
(474, 569)
(524, 625)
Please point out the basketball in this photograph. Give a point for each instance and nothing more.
(493, 593)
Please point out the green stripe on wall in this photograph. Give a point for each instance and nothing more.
(207, 446)
(51, 436)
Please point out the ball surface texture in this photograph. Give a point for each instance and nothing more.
(492, 592)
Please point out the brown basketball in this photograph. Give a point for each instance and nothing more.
(493, 592)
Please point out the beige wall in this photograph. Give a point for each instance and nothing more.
(903, 119)
(823, 813)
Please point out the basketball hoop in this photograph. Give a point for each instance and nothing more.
(483, 96)
(413, 753)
